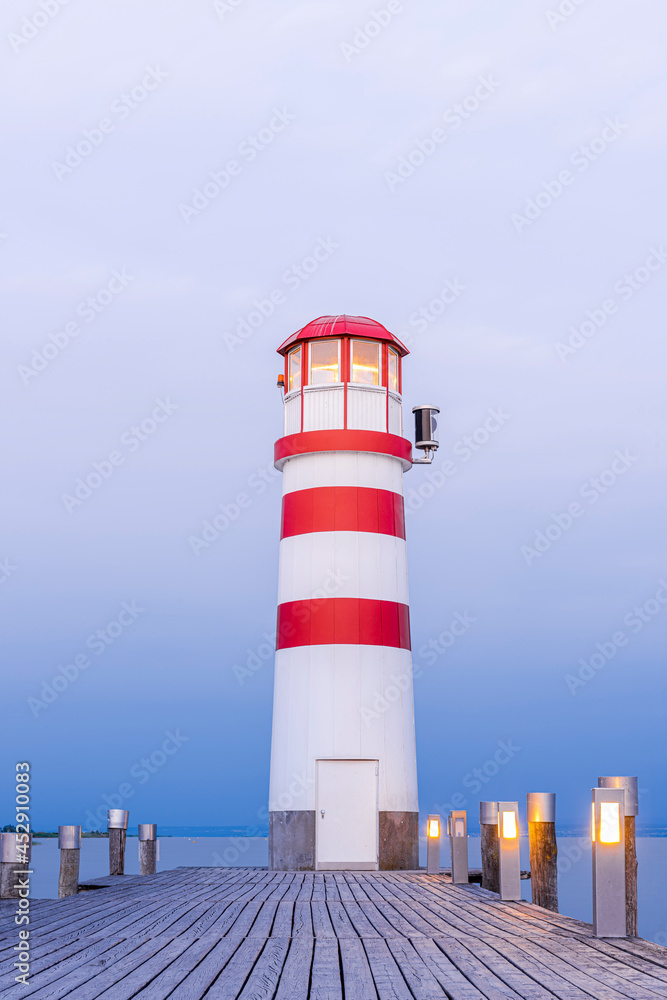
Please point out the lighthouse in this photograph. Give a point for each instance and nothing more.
(343, 785)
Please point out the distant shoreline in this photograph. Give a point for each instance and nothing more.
(252, 832)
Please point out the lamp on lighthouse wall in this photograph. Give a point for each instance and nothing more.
(426, 425)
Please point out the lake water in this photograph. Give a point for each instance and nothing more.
(574, 857)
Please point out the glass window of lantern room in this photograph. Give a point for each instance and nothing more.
(294, 370)
(365, 362)
(324, 361)
(392, 370)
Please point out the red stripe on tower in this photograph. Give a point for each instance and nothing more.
(343, 508)
(343, 620)
(377, 442)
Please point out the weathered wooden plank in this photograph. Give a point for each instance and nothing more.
(295, 887)
(484, 967)
(172, 976)
(360, 921)
(67, 978)
(135, 960)
(302, 925)
(593, 980)
(306, 893)
(264, 977)
(331, 887)
(319, 891)
(263, 922)
(322, 925)
(628, 959)
(325, 983)
(388, 921)
(422, 983)
(619, 975)
(50, 969)
(229, 984)
(639, 946)
(357, 976)
(197, 982)
(282, 925)
(343, 887)
(453, 980)
(389, 982)
(129, 985)
(295, 976)
(340, 921)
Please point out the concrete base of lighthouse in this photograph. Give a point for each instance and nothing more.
(399, 841)
(292, 841)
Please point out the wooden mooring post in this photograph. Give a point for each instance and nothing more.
(15, 856)
(117, 825)
(488, 821)
(631, 787)
(69, 842)
(541, 809)
(147, 848)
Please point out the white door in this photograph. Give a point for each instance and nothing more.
(347, 815)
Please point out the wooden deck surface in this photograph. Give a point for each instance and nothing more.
(227, 933)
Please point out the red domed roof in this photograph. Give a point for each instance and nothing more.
(337, 326)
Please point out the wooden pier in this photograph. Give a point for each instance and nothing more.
(252, 934)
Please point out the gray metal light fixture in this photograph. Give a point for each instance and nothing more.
(608, 836)
(433, 845)
(508, 850)
(457, 828)
(426, 424)
(631, 787)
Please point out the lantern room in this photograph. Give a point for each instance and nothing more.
(343, 372)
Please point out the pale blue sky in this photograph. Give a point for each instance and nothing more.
(569, 115)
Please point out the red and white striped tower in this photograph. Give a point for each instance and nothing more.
(343, 790)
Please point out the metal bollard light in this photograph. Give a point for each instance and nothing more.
(630, 785)
(117, 820)
(147, 848)
(433, 845)
(488, 822)
(541, 807)
(608, 836)
(69, 843)
(508, 851)
(15, 854)
(457, 828)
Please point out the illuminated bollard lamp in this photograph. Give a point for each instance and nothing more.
(541, 814)
(117, 820)
(608, 836)
(631, 789)
(488, 824)
(15, 854)
(147, 848)
(457, 828)
(69, 843)
(433, 845)
(508, 851)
